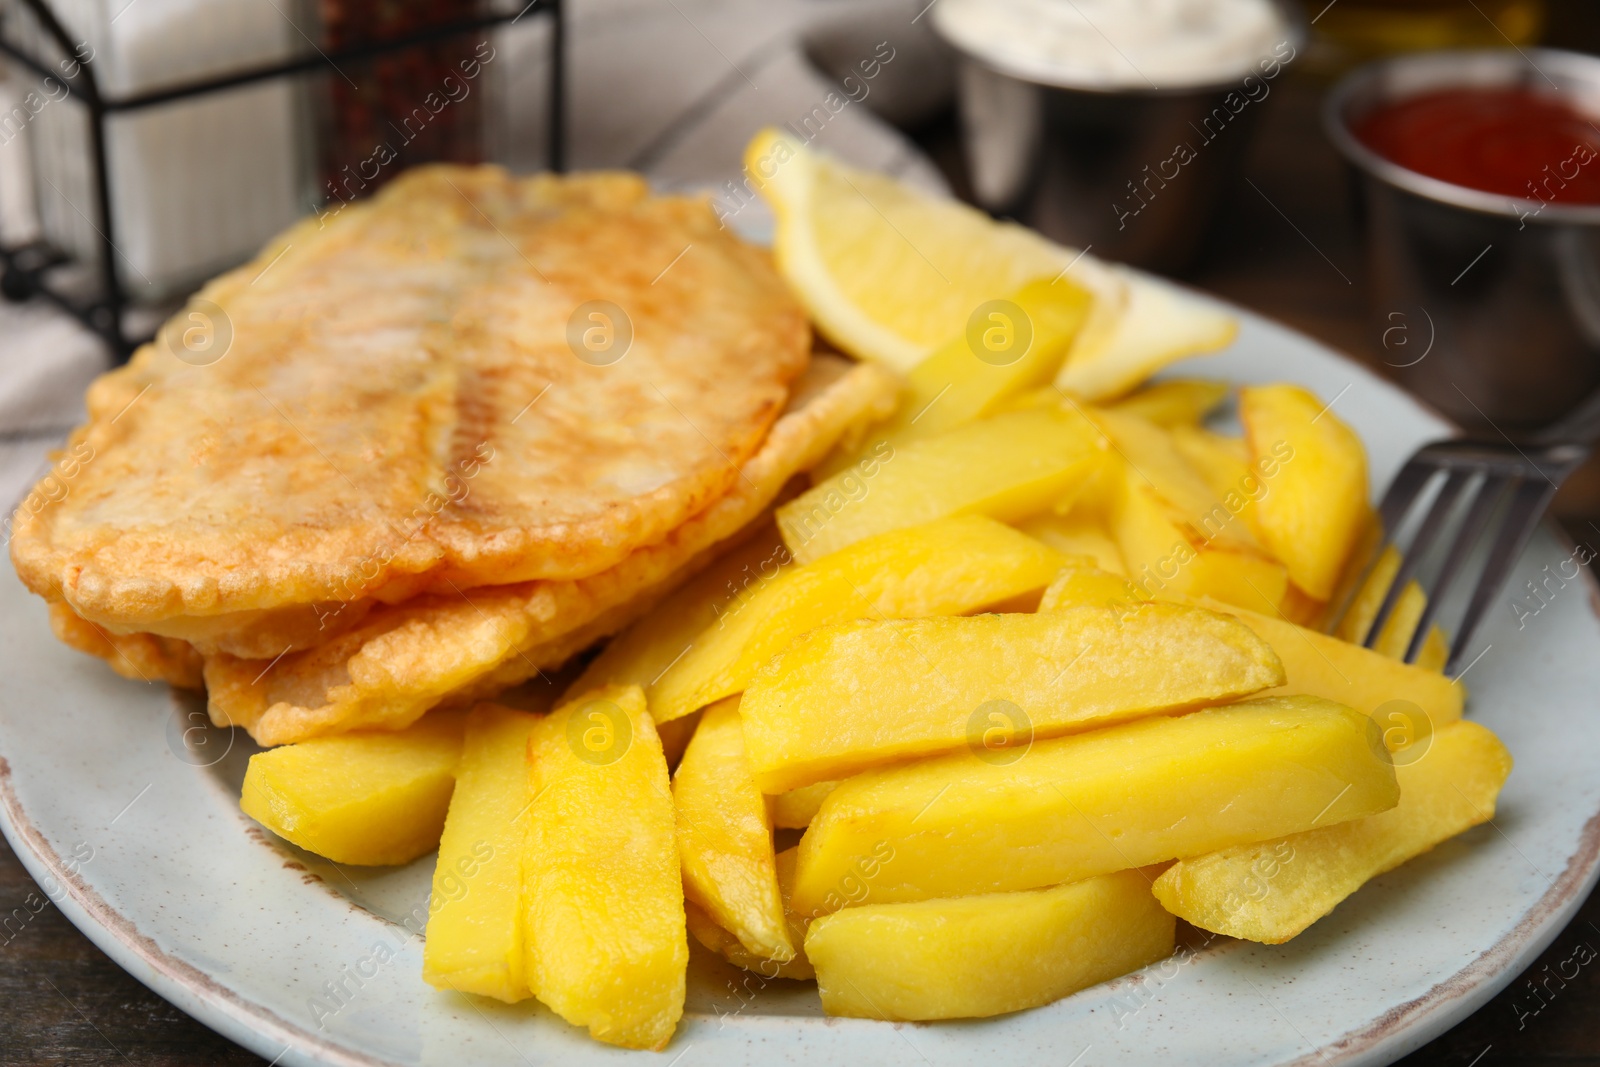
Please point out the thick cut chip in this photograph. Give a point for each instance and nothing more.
(605, 937)
(641, 654)
(468, 378)
(1179, 402)
(989, 682)
(1363, 609)
(1011, 346)
(794, 809)
(725, 836)
(948, 567)
(1273, 890)
(1081, 532)
(373, 799)
(1007, 467)
(1073, 807)
(1165, 557)
(474, 942)
(1395, 636)
(1434, 655)
(1314, 664)
(1080, 584)
(1398, 629)
(976, 956)
(1322, 665)
(708, 933)
(1155, 462)
(1224, 462)
(468, 646)
(1318, 506)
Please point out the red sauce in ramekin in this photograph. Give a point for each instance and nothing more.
(1513, 142)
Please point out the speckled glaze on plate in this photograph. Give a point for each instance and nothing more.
(126, 812)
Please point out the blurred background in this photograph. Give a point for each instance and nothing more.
(1271, 215)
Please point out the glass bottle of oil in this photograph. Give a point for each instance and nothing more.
(1351, 31)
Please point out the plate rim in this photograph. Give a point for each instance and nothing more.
(178, 982)
(1399, 1030)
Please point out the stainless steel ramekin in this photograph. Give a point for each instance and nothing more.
(1108, 167)
(1488, 306)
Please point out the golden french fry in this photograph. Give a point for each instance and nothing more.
(602, 891)
(372, 798)
(946, 567)
(1077, 806)
(1082, 585)
(1008, 466)
(970, 957)
(708, 933)
(940, 684)
(1434, 654)
(1173, 403)
(1225, 464)
(1401, 625)
(794, 809)
(1081, 532)
(1395, 637)
(1318, 504)
(1363, 609)
(1155, 464)
(1166, 559)
(1322, 665)
(474, 942)
(640, 654)
(1014, 345)
(1273, 890)
(725, 836)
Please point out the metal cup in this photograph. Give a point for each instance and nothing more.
(1136, 173)
(1488, 305)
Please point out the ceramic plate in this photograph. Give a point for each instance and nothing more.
(125, 809)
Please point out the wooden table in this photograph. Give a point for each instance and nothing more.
(64, 1002)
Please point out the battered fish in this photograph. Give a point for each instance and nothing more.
(464, 646)
(468, 380)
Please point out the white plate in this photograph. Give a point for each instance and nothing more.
(133, 827)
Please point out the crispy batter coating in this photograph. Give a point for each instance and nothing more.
(414, 396)
(141, 657)
(403, 660)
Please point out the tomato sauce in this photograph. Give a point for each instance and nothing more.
(1514, 142)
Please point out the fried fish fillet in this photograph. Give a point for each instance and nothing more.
(141, 657)
(469, 379)
(452, 648)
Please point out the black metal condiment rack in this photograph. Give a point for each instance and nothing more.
(27, 266)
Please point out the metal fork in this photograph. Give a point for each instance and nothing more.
(1496, 481)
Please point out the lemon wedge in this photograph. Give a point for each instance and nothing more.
(889, 273)
(1156, 324)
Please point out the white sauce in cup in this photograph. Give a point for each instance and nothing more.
(1115, 44)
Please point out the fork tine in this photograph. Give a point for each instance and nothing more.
(1397, 502)
(1491, 492)
(1443, 506)
(1527, 507)
(1403, 493)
